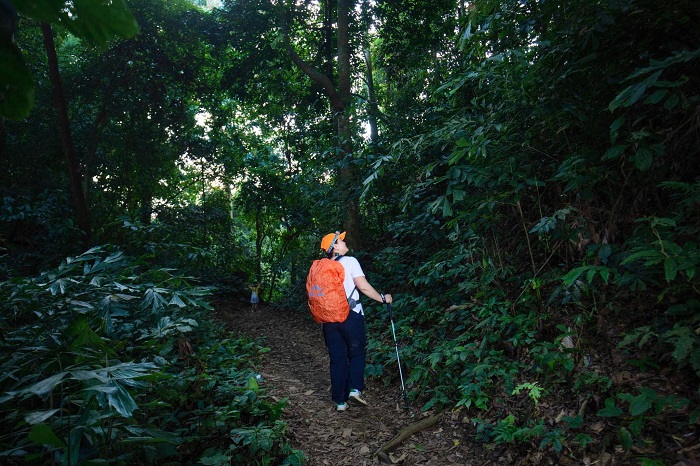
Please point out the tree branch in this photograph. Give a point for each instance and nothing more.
(317, 76)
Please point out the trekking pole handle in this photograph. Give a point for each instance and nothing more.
(391, 314)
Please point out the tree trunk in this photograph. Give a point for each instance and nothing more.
(259, 238)
(74, 171)
(340, 105)
(347, 176)
(373, 109)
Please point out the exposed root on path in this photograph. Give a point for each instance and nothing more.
(406, 432)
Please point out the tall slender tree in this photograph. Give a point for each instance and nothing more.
(74, 171)
(338, 94)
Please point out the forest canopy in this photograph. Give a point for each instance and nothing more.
(524, 176)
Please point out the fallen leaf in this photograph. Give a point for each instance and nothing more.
(597, 427)
(559, 416)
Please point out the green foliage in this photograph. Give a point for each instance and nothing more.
(108, 352)
(98, 22)
(531, 202)
(531, 177)
(534, 392)
(642, 408)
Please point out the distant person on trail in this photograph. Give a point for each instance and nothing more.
(347, 341)
(254, 298)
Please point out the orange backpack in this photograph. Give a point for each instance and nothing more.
(324, 286)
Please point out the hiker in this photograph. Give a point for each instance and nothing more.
(346, 341)
(254, 299)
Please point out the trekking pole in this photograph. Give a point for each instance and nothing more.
(398, 358)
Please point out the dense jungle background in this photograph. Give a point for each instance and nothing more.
(522, 175)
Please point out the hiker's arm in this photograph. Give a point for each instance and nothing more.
(369, 291)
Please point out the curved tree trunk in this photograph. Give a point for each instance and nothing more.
(340, 103)
(74, 171)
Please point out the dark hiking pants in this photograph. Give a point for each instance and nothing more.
(346, 343)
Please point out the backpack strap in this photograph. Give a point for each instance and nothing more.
(353, 290)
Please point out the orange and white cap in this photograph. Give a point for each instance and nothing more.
(329, 240)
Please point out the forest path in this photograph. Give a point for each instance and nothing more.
(296, 368)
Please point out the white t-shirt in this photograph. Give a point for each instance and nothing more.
(352, 270)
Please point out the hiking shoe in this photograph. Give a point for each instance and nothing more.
(340, 407)
(356, 398)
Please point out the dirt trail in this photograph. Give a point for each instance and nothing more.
(296, 368)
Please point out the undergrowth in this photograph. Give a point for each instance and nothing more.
(106, 358)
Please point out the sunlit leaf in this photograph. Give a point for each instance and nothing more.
(36, 417)
(45, 386)
(122, 401)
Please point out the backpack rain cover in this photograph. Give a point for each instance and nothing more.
(324, 286)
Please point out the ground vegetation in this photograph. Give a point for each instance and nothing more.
(522, 176)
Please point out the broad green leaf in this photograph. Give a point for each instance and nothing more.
(590, 274)
(663, 221)
(672, 101)
(683, 339)
(656, 97)
(446, 208)
(252, 384)
(644, 254)
(43, 10)
(83, 375)
(35, 417)
(643, 402)
(45, 386)
(130, 370)
(604, 253)
(672, 248)
(157, 435)
(107, 388)
(615, 127)
(625, 438)
(670, 269)
(574, 422)
(682, 309)
(573, 275)
(628, 96)
(42, 434)
(643, 158)
(214, 458)
(95, 20)
(177, 301)
(122, 401)
(651, 79)
(610, 409)
(614, 152)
